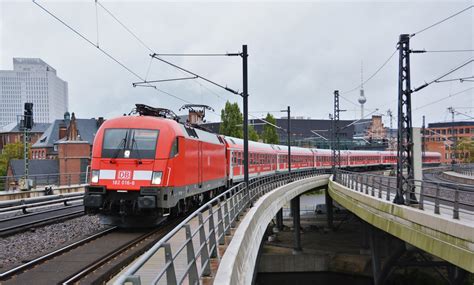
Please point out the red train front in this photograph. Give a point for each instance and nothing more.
(145, 168)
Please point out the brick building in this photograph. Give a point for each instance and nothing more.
(69, 128)
(440, 137)
(12, 133)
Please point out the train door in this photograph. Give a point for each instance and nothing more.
(200, 164)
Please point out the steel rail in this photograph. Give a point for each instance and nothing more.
(47, 256)
(101, 261)
(24, 226)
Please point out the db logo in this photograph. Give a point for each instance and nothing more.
(124, 174)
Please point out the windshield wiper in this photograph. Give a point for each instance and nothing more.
(120, 147)
(134, 142)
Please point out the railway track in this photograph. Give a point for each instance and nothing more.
(92, 260)
(12, 225)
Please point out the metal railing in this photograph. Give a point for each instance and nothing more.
(191, 245)
(12, 183)
(441, 196)
(30, 203)
(464, 169)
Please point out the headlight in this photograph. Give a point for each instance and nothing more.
(95, 176)
(156, 178)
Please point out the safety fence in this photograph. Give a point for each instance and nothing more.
(184, 255)
(25, 204)
(464, 169)
(19, 182)
(441, 197)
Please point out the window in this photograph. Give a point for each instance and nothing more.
(129, 143)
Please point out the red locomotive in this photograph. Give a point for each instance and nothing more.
(147, 167)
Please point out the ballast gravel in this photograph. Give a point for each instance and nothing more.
(23, 247)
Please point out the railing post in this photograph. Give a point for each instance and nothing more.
(232, 210)
(220, 224)
(205, 262)
(236, 205)
(389, 182)
(170, 273)
(436, 206)
(420, 205)
(193, 273)
(226, 217)
(212, 234)
(456, 203)
(380, 187)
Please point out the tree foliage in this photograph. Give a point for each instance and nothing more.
(10, 151)
(465, 150)
(253, 135)
(270, 134)
(231, 118)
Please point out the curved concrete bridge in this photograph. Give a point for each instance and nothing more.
(438, 234)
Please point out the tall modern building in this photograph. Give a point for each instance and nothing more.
(32, 80)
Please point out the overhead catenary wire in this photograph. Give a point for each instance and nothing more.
(105, 52)
(448, 50)
(442, 76)
(195, 74)
(442, 21)
(125, 27)
(444, 98)
(372, 76)
(461, 79)
(146, 46)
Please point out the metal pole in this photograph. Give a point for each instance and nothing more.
(25, 150)
(454, 138)
(423, 146)
(405, 131)
(336, 152)
(289, 143)
(245, 96)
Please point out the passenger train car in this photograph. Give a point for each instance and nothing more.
(145, 168)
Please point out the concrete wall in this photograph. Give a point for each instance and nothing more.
(447, 238)
(459, 178)
(238, 263)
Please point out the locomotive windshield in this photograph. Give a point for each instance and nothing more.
(129, 143)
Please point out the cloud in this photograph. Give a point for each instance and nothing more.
(299, 52)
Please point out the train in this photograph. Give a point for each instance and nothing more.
(145, 168)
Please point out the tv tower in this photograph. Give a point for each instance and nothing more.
(362, 98)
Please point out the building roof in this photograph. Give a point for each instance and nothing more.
(300, 128)
(450, 124)
(36, 166)
(360, 127)
(15, 128)
(87, 129)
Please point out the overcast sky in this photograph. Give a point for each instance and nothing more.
(299, 53)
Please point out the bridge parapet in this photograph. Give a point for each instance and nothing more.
(440, 224)
(443, 198)
(191, 250)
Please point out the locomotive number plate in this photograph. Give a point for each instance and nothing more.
(124, 174)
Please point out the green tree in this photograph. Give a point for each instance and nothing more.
(231, 118)
(270, 134)
(253, 135)
(465, 150)
(10, 151)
